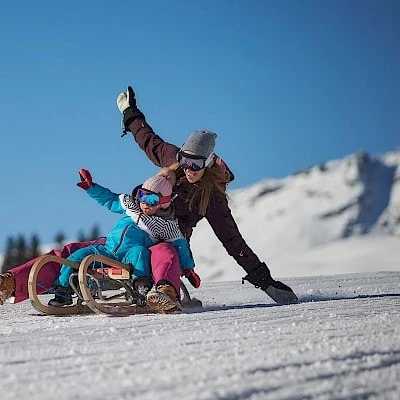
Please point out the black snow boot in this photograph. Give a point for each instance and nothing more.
(141, 286)
(63, 296)
(278, 291)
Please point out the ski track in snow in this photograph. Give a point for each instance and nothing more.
(241, 345)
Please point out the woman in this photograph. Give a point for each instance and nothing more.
(200, 189)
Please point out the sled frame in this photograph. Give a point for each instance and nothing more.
(91, 297)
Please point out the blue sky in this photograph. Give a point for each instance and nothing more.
(285, 84)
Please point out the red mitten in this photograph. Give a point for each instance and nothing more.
(192, 277)
(86, 179)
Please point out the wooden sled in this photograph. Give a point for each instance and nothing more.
(104, 290)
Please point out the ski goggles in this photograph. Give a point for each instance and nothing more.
(193, 162)
(151, 198)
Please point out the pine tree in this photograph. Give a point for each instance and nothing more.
(34, 250)
(60, 240)
(81, 236)
(17, 252)
(9, 255)
(22, 250)
(95, 232)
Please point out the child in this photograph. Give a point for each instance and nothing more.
(149, 219)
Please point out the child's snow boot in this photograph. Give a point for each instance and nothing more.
(164, 298)
(63, 296)
(141, 286)
(7, 286)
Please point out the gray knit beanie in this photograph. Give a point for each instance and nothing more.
(201, 143)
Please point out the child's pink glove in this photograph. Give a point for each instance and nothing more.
(192, 277)
(86, 179)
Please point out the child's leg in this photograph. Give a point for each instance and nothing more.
(139, 258)
(62, 290)
(76, 257)
(165, 264)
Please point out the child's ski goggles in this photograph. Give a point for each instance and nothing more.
(151, 199)
(193, 162)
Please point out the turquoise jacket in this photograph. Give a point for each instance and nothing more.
(136, 228)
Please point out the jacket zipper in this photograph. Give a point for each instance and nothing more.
(121, 239)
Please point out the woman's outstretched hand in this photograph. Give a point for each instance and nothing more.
(126, 102)
(126, 99)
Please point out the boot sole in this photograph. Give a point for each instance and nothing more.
(160, 302)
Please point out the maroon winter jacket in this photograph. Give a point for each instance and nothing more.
(218, 214)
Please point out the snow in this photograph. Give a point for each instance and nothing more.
(340, 342)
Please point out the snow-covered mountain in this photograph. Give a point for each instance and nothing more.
(343, 211)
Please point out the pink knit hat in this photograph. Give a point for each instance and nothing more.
(160, 185)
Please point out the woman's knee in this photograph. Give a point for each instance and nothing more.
(163, 253)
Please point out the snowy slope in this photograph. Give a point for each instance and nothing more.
(343, 211)
(341, 342)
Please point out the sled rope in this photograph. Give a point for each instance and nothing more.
(45, 288)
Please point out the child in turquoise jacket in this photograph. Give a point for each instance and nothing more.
(148, 220)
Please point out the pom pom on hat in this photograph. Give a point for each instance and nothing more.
(201, 143)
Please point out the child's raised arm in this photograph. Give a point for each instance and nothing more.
(102, 195)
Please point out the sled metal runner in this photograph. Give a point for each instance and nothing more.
(96, 292)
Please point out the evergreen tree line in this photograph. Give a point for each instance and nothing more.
(19, 249)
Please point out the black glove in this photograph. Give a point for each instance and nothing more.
(278, 291)
(260, 277)
(126, 102)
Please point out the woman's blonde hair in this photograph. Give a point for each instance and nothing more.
(214, 178)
